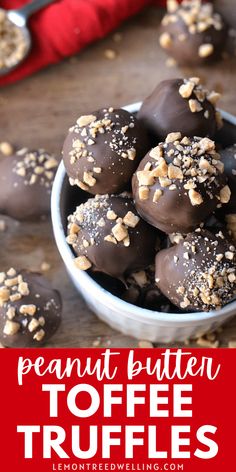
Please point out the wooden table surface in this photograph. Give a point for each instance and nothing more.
(37, 113)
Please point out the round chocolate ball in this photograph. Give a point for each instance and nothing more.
(108, 236)
(30, 309)
(179, 183)
(102, 150)
(193, 33)
(199, 273)
(25, 183)
(180, 105)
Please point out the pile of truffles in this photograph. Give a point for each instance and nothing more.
(30, 310)
(26, 179)
(192, 33)
(167, 239)
(13, 45)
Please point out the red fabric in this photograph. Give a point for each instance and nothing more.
(66, 26)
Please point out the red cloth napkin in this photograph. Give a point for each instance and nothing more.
(66, 26)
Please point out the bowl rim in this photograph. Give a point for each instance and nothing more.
(90, 285)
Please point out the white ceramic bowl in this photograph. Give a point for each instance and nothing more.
(129, 319)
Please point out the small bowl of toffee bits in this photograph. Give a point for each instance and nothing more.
(14, 43)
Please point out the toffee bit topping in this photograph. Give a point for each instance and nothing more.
(196, 95)
(98, 220)
(195, 197)
(33, 325)
(39, 335)
(11, 312)
(35, 167)
(131, 219)
(82, 263)
(172, 137)
(172, 6)
(186, 89)
(11, 328)
(120, 232)
(110, 239)
(89, 179)
(143, 193)
(156, 152)
(28, 309)
(165, 40)
(206, 50)
(192, 164)
(85, 120)
(74, 228)
(145, 177)
(111, 215)
(140, 278)
(225, 194)
(20, 313)
(4, 295)
(23, 288)
(175, 172)
(195, 106)
(210, 275)
(197, 16)
(87, 130)
(175, 238)
(6, 148)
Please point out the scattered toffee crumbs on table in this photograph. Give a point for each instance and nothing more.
(6, 148)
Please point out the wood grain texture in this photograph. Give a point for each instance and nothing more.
(37, 113)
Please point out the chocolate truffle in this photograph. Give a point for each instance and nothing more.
(25, 183)
(180, 105)
(108, 236)
(30, 310)
(199, 273)
(102, 150)
(192, 33)
(179, 183)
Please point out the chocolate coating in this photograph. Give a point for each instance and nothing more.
(102, 150)
(142, 291)
(198, 274)
(25, 184)
(109, 237)
(179, 183)
(192, 33)
(166, 111)
(30, 310)
(228, 157)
